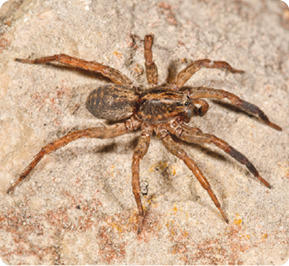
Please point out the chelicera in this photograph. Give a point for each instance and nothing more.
(161, 109)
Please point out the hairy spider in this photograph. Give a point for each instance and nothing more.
(163, 109)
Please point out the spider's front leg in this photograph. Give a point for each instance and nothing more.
(139, 153)
(193, 135)
(116, 76)
(174, 149)
(95, 132)
(151, 68)
(185, 74)
(203, 92)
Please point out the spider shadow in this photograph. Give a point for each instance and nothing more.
(216, 155)
(170, 185)
(172, 70)
(71, 154)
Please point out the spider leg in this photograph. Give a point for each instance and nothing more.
(203, 92)
(204, 107)
(191, 135)
(174, 149)
(95, 132)
(116, 76)
(139, 152)
(185, 74)
(151, 68)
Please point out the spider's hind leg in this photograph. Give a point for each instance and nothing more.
(139, 152)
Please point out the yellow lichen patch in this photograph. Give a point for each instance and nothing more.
(133, 218)
(138, 69)
(118, 55)
(178, 209)
(264, 236)
(175, 209)
(285, 168)
(173, 169)
(238, 221)
(171, 225)
(160, 166)
(117, 227)
(152, 201)
(185, 233)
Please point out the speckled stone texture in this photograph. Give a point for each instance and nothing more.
(77, 206)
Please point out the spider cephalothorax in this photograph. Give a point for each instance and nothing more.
(165, 110)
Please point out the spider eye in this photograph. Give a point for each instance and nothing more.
(187, 103)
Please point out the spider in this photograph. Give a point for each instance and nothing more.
(161, 109)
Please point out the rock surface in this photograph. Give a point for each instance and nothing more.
(77, 206)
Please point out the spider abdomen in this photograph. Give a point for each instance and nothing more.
(112, 102)
(162, 105)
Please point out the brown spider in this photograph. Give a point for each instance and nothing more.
(163, 109)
